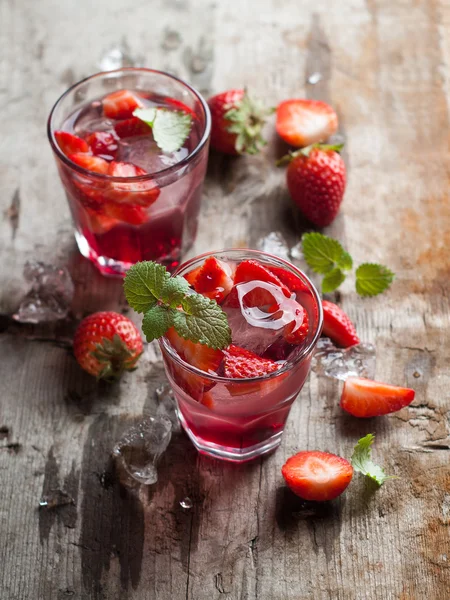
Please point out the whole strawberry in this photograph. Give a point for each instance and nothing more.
(106, 344)
(316, 181)
(236, 123)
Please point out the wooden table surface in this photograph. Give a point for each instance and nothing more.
(385, 67)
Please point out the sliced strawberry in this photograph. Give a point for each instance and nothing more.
(103, 143)
(90, 163)
(178, 105)
(317, 476)
(99, 223)
(240, 363)
(192, 275)
(293, 282)
(121, 104)
(366, 398)
(252, 270)
(197, 355)
(337, 325)
(143, 193)
(69, 143)
(297, 331)
(304, 122)
(213, 279)
(131, 128)
(127, 213)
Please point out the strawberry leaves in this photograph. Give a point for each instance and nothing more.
(327, 257)
(169, 301)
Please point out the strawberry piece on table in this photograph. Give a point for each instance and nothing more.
(106, 344)
(297, 331)
(304, 122)
(103, 143)
(317, 476)
(252, 270)
(143, 193)
(121, 104)
(213, 279)
(240, 363)
(316, 180)
(337, 325)
(131, 128)
(236, 123)
(69, 143)
(366, 398)
(90, 163)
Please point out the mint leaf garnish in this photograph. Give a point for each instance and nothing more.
(171, 128)
(372, 279)
(332, 280)
(327, 257)
(143, 285)
(156, 322)
(170, 301)
(202, 322)
(362, 461)
(323, 253)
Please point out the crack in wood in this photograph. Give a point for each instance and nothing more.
(12, 213)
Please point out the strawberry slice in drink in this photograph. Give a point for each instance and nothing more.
(121, 104)
(213, 279)
(143, 193)
(131, 128)
(317, 476)
(366, 398)
(253, 271)
(90, 163)
(103, 143)
(127, 213)
(198, 355)
(69, 143)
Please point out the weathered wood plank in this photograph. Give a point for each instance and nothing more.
(385, 66)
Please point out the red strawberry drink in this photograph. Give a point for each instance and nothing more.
(233, 403)
(131, 148)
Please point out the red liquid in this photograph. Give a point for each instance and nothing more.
(114, 239)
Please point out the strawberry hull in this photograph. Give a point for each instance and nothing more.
(235, 406)
(130, 200)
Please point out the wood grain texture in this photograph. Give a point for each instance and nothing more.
(385, 66)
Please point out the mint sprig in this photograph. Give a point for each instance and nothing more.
(170, 128)
(362, 461)
(327, 257)
(169, 301)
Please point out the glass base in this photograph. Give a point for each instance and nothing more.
(112, 267)
(237, 455)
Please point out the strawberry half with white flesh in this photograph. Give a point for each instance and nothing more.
(121, 104)
(303, 122)
(338, 326)
(213, 279)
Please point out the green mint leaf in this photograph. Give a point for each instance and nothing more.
(171, 128)
(323, 253)
(362, 461)
(373, 279)
(174, 290)
(157, 321)
(203, 321)
(345, 262)
(143, 285)
(332, 280)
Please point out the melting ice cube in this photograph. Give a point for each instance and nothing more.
(341, 363)
(144, 152)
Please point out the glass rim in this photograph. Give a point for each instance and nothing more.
(148, 176)
(290, 363)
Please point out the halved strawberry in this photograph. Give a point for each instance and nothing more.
(252, 270)
(143, 193)
(103, 143)
(69, 143)
(99, 223)
(198, 355)
(127, 213)
(213, 279)
(178, 105)
(240, 363)
(192, 275)
(293, 282)
(304, 122)
(317, 476)
(131, 128)
(121, 104)
(297, 331)
(90, 163)
(366, 398)
(337, 325)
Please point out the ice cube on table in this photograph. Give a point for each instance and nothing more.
(342, 363)
(141, 446)
(50, 295)
(144, 152)
(274, 243)
(167, 405)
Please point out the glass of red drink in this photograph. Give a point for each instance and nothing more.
(233, 403)
(130, 201)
